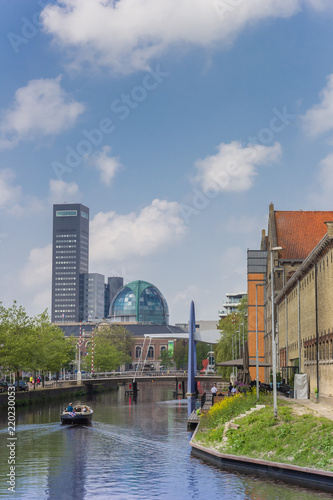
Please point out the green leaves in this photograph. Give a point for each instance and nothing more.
(112, 348)
(166, 358)
(31, 344)
(180, 354)
(231, 328)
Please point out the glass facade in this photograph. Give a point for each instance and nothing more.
(142, 302)
(152, 306)
(125, 303)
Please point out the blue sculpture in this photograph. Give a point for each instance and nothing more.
(192, 355)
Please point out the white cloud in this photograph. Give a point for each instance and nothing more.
(233, 167)
(319, 118)
(62, 192)
(9, 193)
(320, 5)
(126, 35)
(322, 196)
(120, 237)
(40, 108)
(36, 277)
(36, 273)
(107, 165)
(12, 199)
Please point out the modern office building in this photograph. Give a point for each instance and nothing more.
(70, 261)
(114, 284)
(93, 296)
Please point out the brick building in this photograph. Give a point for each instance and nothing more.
(305, 317)
(303, 290)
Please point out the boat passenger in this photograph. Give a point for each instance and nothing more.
(70, 407)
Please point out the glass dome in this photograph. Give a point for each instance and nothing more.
(142, 302)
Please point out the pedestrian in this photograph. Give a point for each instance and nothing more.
(229, 389)
(214, 392)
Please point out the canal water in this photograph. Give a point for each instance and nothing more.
(131, 451)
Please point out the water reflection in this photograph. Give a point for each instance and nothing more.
(131, 451)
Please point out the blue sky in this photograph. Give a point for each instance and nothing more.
(176, 122)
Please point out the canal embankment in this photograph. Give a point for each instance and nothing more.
(54, 392)
(295, 447)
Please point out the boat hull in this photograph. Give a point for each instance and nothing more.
(77, 418)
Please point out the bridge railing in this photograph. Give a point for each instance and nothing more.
(150, 373)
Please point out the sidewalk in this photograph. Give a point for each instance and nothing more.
(302, 406)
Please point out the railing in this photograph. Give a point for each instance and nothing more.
(132, 373)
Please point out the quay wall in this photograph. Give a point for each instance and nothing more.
(300, 476)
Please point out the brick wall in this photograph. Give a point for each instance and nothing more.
(301, 314)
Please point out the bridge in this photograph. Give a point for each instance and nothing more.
(149, 376)
(207, 336)
(177, 380)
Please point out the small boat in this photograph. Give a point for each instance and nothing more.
(81, 414)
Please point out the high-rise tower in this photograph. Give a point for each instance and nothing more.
(70, 260)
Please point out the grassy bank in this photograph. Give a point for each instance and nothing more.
(291, 438)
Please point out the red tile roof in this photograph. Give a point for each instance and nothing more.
(299, 232)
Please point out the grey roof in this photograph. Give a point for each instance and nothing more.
(141, 330)
(138, 330)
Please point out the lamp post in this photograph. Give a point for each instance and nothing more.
(79, 375)
(257, 354)
(274, 249)
(239, 341)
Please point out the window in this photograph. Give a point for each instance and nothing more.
(138, 351)
(84, 215)
(151, 352)
(66, 213)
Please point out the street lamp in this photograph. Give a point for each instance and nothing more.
(257, 354)
(274, 249)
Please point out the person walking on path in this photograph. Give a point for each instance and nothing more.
(214, 392)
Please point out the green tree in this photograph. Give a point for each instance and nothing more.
(31, 344)
(180, 354)
(230, 327)
(16, 329)
(166, 359)
(112, 348)
(202, 353)
(49, 349)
